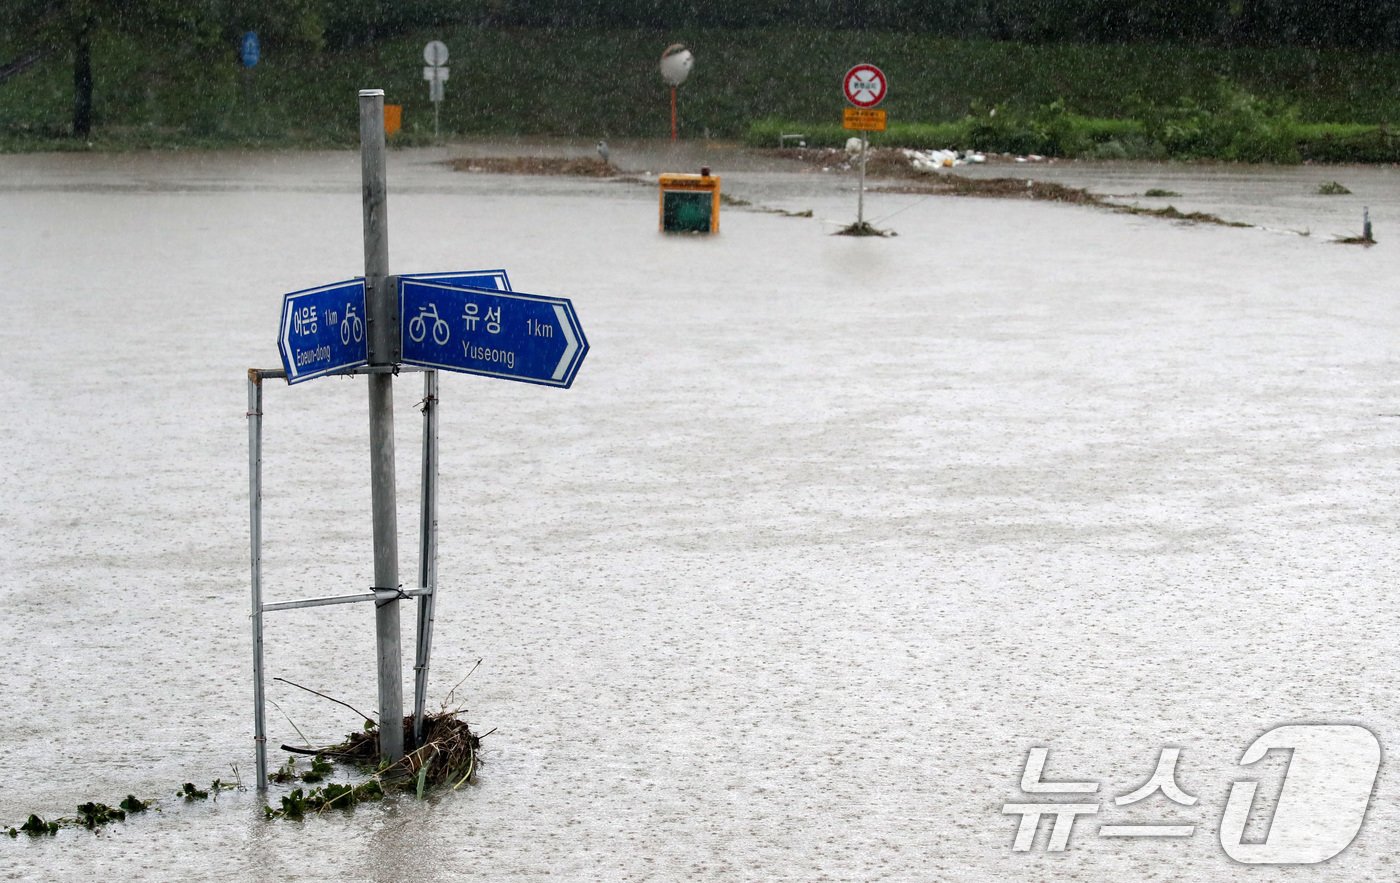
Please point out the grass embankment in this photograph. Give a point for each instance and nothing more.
(1241, 129)
(1069, 100)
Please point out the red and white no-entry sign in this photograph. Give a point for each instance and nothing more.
(864, 85)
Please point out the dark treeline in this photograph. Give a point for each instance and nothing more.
(31, 30)
(1369, 24)
(1355, 24)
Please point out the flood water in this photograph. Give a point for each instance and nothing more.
(827, 536)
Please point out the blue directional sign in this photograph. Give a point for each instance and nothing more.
(251, 50)
(323, 330)
(487, 279)
(494, 333)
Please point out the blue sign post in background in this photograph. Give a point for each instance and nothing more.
(323, 330)
(493, 333)
(251, 50)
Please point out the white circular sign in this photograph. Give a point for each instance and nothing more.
(864, 85)
(435, 53)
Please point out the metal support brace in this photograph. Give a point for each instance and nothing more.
(255, 545)
(427, 565)
(379, 596)
(427, 553)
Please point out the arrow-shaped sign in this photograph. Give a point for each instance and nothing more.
(493, 333)
(323, 330)
(487, 279)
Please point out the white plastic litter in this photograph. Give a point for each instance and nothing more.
(939, 160)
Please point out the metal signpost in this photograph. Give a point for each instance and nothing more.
(379, 310)
(864, 86)
(467, 321)
(435, 57)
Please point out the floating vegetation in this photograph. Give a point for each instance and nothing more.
(35, 826)
(287, 772)
(1172, 213)
(1159, 193)
(190, 792)
(448, 755)
(133, 804)
(95, 815)
(1332, 188)
(1049, 191)
(329, 796)
(91, 815)
(1355, 240)
(582, 166)
(320, 768)
(736, 202)
(999, 188)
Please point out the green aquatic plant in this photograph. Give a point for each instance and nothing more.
(190, 792)
(35, 826)
(95, 815)
(287, 772)
(320, 768)
(133, 804)
(332, 795)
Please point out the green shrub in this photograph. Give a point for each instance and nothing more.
(1340, 143)
(1229, 124)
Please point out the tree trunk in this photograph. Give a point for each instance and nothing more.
(82, 78)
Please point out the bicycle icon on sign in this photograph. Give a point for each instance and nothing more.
(418, 326)
(351, 326)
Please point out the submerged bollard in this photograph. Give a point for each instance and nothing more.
(1366, 224)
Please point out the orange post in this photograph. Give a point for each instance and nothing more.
(393, 118)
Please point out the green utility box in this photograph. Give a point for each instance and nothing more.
(690, 203)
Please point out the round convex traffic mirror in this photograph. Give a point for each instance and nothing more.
(676, 63)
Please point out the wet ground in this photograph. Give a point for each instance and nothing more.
(827, 535)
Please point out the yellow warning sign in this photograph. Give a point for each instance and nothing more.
(863, 120)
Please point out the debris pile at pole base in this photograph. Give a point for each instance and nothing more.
(1355, 240)
(448, 755)
(863, 228)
